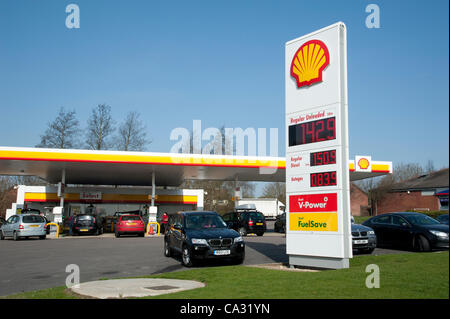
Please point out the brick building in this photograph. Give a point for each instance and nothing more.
(426, 192)
(7, 197)
(359, 201)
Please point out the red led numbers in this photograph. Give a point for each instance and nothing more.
(323, 158)
(312, 132)
(323, 179)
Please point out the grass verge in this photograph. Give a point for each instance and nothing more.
(403, 276)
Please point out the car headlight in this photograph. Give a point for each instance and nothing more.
(238, 239)
(371, 232)
(199, 241)
(439, 233)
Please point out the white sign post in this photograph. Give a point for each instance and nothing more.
(318, 227)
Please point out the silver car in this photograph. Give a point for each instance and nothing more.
(29, 225)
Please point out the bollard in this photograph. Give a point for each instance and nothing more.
(57, 228)
(152, 231)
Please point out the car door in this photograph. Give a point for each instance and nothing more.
(380, 225)
(177, 234)
(399, 231)
(7, 226)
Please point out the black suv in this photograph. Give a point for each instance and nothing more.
(280, 224)
(202, 235)
(87, 224)
(246, 222)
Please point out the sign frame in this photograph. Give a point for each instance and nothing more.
(318, 238)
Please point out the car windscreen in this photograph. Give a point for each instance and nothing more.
(204, 222)
(128, 217)
(31, 219)
(255, 215)
(421, 220)
(86, 217)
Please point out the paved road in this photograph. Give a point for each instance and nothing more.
(35, 264)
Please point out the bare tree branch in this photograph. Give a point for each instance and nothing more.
(62, 132)
(100, 127)
(132, 134)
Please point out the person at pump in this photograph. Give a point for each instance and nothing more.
(71, 218)
(165, 221)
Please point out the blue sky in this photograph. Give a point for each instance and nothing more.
(222, 62)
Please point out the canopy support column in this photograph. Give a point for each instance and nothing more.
(63, 184)
(153, 210)
(153, 188)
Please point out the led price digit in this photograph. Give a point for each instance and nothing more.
(312, 132)
(323, 179)
(323, 158)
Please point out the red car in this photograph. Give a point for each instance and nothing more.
(130, 224)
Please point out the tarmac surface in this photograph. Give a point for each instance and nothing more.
(34, 264)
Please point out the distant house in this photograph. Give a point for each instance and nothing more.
(359, 201)
(426, 192)
(7, 197)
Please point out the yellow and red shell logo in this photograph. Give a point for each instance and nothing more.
(309, 62)
(363, 163)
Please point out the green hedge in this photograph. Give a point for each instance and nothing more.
(431, 213)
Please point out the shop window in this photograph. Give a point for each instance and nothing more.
(443, 202)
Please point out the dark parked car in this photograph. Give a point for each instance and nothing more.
(246, 222)
(443, 219)
(364, 238)
(409, 230)
(280, 224)
(200, 236)
(87, 224)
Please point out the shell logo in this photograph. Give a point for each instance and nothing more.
(308, 63)
(363, 163)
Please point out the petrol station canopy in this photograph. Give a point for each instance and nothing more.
(136, 168)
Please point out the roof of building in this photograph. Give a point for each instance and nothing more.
(437, 179)
(136, 168)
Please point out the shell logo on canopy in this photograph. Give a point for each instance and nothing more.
(363, 163)
(309, 62)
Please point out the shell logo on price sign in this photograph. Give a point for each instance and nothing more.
(309, 62)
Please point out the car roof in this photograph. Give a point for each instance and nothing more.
(406, 213)
(399, 213)
(198, 212)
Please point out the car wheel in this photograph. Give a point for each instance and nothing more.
(259, 234)
(15, 236)
(42, 237)
(186, 257)
(117, 234)
(1, 235)
(167, 250)
(242, 231)
(423, 244)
